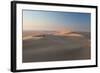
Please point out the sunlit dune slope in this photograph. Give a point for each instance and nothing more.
(68, 33)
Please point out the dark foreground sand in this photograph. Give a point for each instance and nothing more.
(56, 48)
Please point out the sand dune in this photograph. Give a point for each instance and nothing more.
(69, 34)
(31, 37)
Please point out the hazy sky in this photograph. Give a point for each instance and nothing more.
(51, 20)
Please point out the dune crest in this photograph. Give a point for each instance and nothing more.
(62, 32)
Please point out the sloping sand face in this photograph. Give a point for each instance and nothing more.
(69, 34)
(62, 33)
(75, 35)
(31, 37)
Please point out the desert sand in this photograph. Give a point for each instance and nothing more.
(54, 46)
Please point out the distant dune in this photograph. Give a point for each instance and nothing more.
(69, 34)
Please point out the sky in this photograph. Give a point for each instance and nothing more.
(36, 20)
